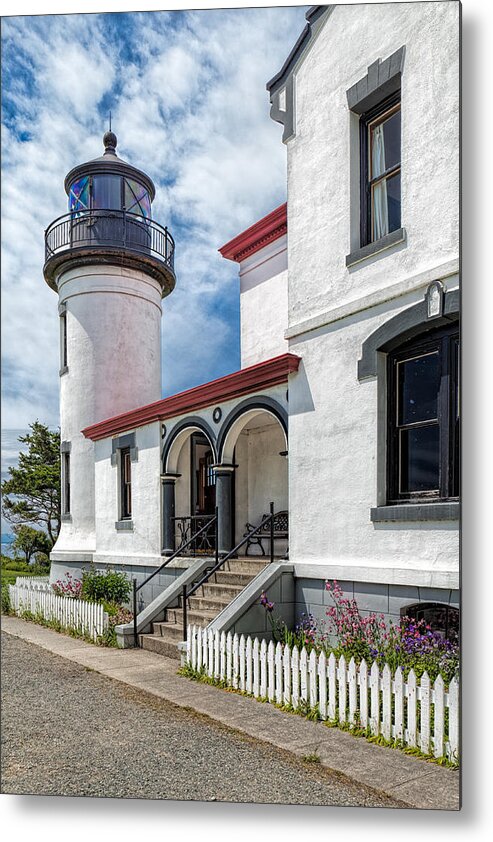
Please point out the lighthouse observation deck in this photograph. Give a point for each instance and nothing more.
(109, 236)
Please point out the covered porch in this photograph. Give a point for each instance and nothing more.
(231, 458)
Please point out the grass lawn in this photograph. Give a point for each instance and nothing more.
(9, 576)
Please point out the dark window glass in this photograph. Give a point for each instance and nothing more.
(126, 483)
(106, 192)
(423, 423)
(443, 619)
(419, 382)
(419, 459)
(63, 326)
(66, 482)
(456, 420)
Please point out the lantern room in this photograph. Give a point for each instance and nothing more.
(109, 219)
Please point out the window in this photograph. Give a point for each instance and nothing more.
(423, 413)
(109, 192)
(63, 341)
(442, 618)
(380, 149)
(66, 483)
(126, 484)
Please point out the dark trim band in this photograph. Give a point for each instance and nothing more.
(415, 512)
(404, 326)
(193, 421)
(257, 402)
(382, 80)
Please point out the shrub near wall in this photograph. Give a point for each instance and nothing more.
(111, 589)
(410, 645)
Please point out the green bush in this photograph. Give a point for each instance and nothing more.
(5, 598)
(112, 586)
(15, 564)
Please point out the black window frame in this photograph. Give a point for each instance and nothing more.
(446, 340)
(366, 183)
(125, 484)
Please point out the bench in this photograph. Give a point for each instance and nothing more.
(281, 530)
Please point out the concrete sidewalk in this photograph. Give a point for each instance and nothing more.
(413, 782)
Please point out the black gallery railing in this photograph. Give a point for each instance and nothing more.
(116, 229)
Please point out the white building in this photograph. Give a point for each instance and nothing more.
(344, 414)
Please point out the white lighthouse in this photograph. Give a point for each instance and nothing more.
(111, 264)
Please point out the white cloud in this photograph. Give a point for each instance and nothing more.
(189, 107)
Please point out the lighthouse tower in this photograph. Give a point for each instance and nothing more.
(111, 264)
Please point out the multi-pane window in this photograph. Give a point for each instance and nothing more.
(109, 192)
(126, 483)
(423, 434)
(381, 171)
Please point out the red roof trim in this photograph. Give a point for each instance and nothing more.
(265, 231)
(251, 379)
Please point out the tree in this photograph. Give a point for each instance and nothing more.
(30, 541)
(31, 494)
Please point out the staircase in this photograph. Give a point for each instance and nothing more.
(204, 606)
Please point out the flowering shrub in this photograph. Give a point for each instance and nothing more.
(112, 586)
(357, 637)
(411, 644)
(70, 587)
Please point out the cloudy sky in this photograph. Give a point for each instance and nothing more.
(189, 106)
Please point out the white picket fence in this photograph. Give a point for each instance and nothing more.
(37, 583)
(347, 693)
(86, 617)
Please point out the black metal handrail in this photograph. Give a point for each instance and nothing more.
(137, 588)
(110, 228)
(219, 562)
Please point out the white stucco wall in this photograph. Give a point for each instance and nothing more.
(114, 364)
(264, 303)
(335, 422)
(142, 545)
(335, 425)
(261, 475)
(323, 154)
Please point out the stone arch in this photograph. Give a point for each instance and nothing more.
(177, 438)
(239, 417)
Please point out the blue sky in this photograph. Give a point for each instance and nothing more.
(189, 106)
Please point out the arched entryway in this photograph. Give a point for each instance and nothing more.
(189, 493)
(252, 470)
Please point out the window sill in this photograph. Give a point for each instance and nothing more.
(66, 517)
(378, 246)
(124, 525)
(413, 512)
(63, 370)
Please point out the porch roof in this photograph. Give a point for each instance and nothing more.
(243, 382)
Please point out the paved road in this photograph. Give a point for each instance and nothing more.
(67, 730)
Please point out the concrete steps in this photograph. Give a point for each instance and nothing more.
(204, 606)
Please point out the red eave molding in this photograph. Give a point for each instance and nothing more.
(265, 231)
(243, 382)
